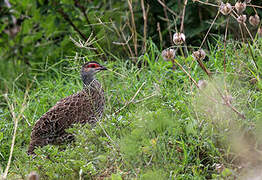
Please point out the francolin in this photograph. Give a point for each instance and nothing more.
(86, 106)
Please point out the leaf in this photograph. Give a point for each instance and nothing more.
(1, 135)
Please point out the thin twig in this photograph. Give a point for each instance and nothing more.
(67, 18)
(209, 30)
(206, 3)
(228, 104)
(168, 24)
(131, 100)
(15, 119)
(120, 36)
(190, 77)
(255, 6)
(83, 10)
(133, 25)
(159, 34)
(145, 24)
(225, 40)
(164, 6)
(183, 17)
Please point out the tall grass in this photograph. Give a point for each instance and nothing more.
(157, 124)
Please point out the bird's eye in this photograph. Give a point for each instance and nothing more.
(92, 66)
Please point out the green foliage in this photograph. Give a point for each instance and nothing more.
(165, 132)
(157, 124)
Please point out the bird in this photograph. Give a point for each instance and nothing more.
(85, 106)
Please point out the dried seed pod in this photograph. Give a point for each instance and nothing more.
(259, 32)
(254, 20)
(168, 54)
(240, 7)
(199, 55)
(242, 19)
(33, 176)
(225, 9)
(179, 38)
(219, 168)
(202, 84)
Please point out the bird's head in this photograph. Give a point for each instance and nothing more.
(89, 70)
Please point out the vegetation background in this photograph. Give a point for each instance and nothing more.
(161, 122)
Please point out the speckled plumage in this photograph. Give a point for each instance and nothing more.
(86, 106)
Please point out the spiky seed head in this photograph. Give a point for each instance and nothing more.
(168, 54)
(242, 19)
(179, 38)
(259, 32)
(199, 55)
(219, 168)
(202, 84)
(33, 176)
(240, 7)
(225, 9)
(254, 20)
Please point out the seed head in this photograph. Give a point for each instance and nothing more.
(259, 32)
(179, 38)
(240, 7)
(202, 84)
(242, 19)
(225, 9)
(33, 176)
(248, 1)
(199, 55)
(168, 54)
(254, 20)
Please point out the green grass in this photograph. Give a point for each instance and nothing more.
(170, 130)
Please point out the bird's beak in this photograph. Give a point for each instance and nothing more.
(102, 68)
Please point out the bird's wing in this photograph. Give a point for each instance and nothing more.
(67, 111)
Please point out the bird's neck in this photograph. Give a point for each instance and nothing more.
(88, 80)
(92, 85)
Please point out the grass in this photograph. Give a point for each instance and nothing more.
(157, 124)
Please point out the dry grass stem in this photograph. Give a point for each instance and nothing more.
(225, 41)
(183, 17)
(190, 77)
(218, 12)
(170, 10)
(15, 119)
(254, 6)
(131, 100)
(159, 33)
(133, 26)
(168, 23)
(206, 3)
(145, 12)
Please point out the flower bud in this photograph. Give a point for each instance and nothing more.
(199, 55)
(254, 20)
(168, 54)
(179, 38)
(225, 9)
(240, 7)
(242, 19)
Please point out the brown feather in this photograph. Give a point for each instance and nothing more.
(86, 106)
